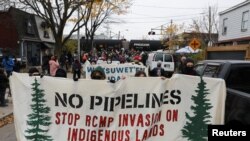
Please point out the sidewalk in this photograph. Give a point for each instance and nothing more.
(6, 113)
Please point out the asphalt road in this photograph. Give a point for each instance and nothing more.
(7, 133)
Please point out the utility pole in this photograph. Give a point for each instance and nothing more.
(171, 26)
(119, 33)
(209, 26)
(171, 34)
(78, 35)
(161, 29)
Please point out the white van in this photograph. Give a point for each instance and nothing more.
(167, 61)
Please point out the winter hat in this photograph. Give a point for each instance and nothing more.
(100, 69)
(189, 60)
(137, 58)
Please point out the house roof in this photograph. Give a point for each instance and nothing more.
(20, 18)
(234, 7)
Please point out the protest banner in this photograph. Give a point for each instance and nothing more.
(134, 109)
(116, 72)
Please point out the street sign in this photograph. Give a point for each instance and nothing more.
(195, 44)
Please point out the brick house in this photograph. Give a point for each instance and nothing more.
(24, 36)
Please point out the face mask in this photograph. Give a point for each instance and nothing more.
(158, 66)
(97, 77)
(189, 69)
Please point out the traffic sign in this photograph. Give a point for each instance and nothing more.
(194, 44)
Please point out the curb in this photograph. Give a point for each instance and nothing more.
(7, 119)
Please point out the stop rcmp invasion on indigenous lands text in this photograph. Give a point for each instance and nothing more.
(109, 104)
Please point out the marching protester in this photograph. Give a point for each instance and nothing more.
(4, 83)
(34, 72)
(63, 60)
(45, 64)
(140, 74)
(8, 65)
(137, 59)
(17, 65)
(158, 71)
(54, 65)
(76, 68)
(84, 66)
(144, 57)
(98, 74)
(189, 67)
(182, 64)
(61, 72)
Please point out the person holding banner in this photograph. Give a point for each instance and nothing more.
(98, 74)
(76, 68)
(54, 65)
(4, 82)
(34, 72)
(140, 74)
(189, 67)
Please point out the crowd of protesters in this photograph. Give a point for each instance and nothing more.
(68, 62)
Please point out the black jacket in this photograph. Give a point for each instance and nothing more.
(154, 72)
(4, 82)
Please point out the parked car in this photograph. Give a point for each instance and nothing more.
(166, 59)
(236, 74)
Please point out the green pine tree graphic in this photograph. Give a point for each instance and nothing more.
(196, 126)
(38, 120)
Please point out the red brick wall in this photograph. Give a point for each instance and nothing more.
(8, 35)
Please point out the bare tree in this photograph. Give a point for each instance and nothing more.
(56, 14)
(207, 23)
(101, 11)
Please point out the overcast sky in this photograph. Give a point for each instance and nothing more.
(147, 14)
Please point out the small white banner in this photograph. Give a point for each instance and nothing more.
(116, 72)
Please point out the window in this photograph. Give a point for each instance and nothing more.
(224, 27)
(168, 58)
(45, 34)
(211, 71)
(29, 27)
(244, 21)
(199, 68)
(159, 57)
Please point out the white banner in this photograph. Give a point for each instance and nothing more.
(116, 72)
(134, 109)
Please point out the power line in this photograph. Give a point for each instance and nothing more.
(164, 21)
(189, 8)
(161, 17)
(166, 7)
(178, 20)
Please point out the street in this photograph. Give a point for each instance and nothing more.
(7, 133)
